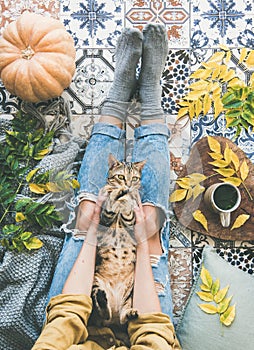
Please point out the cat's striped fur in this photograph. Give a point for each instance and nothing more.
(116, 251)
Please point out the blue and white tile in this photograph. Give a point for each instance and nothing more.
(174, 79)
(221, 22)
(92, 80)
(93, 23)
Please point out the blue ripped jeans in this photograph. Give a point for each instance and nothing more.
(151, 143)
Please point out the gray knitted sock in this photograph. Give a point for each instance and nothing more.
(155, 50)
(128, 53)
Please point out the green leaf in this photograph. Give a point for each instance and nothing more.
(215, 287)
(228, 316)
(25, 235)
(33, 243)
(221, 294)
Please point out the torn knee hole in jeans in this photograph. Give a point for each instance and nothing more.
(159, 287)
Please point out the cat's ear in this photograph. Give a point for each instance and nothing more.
(140, 165)
(112, 161)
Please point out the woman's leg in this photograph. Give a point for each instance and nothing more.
(151, 143)
(107, 137)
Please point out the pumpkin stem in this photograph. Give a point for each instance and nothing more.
(28, 53)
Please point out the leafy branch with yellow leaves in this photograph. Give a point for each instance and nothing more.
(217, 85)
(216, 299)
(228, 166)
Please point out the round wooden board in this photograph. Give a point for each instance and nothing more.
(198, 162)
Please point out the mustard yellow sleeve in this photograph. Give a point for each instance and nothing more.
(67, 317)
(152, 331)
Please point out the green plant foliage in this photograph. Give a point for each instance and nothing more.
(22, 218)
(215, 298)
(216, 85)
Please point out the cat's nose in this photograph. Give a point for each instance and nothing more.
(122, 193)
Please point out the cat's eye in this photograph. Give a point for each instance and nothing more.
(135, 178)
(121, 177)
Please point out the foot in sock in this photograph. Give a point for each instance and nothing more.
(154, 54)
(128, 53)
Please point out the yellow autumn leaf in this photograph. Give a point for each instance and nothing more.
(199, 85)
(230, 75)
(214, 145)
(183, 103)
(31, 174)
(205, 296)
(220, 295)
(195, 178)
(235, 160)
(197, 190)
(227, 154)
(228, 316)
(224, 47)
(207, 104)
(210, 65)
(189, 194)
(243, 54)
(200, 217)
(20, 217)
(250, 59)
(244, 170)
(217, 57)
(206, 277)
(39, 189)
(183, 182)
(219, 163)
(228, 57)
(218, 106)
(201, 74)
(215, 156)
(232, 180)
(240, 221)
(53, 187)
(75, 184)
(178, 195)
(208, 308)
(236, 82)
(227, 172)
(215, 287)
(223, 305)
(205, 288)
(216, 73)
(182, 112)
(194, 95)
(198, 107)
(192, 110)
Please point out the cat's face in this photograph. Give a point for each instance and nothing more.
(124, 177)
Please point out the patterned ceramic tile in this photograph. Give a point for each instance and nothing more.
(173, 13)
(11, 10)
(93, 23)
(180, 267)
(174, 79)
(81, 125)
(180, 236)
(207, 125)
(92, 80)
(217, 22)
(8, 102)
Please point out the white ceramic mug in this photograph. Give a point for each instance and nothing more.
(223, 198)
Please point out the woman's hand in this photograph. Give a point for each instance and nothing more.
(140, 227)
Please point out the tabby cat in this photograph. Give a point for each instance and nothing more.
(116, 251)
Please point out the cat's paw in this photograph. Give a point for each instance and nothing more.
(129, 314)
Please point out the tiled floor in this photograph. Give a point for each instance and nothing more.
(195, 29)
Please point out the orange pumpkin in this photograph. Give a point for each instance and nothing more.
(37, 57)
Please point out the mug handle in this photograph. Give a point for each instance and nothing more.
(225, 219)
